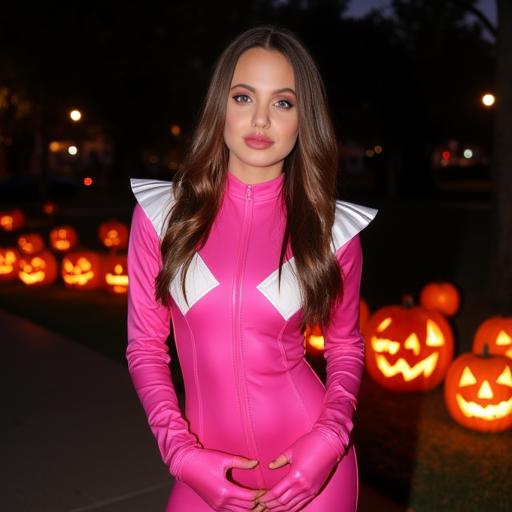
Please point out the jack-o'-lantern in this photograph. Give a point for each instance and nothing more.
(113, 234)
(82, 270)
(408, 348)
(11, 220)
(444, 297)
(30, 243)
(38, 269)
(478, 391)
(116, 277)
(63, 238)
(9, 261)
(313, 337)
(497, 333)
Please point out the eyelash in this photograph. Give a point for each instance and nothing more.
(240, 95)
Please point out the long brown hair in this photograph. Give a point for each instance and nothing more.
(309, 189)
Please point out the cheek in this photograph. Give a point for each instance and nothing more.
(289, 129)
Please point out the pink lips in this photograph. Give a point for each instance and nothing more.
(258, 141)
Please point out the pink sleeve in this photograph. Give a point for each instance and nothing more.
(344, 353)
(147, 350)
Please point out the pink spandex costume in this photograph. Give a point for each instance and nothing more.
(249, 389)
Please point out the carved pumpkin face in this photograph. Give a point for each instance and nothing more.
(408, 348)
(63, 238)
(116, 277)
(12, 220)
(497, 333)
(113, 235)
(38, 269)
(443, 297)
(478, 392)
(9, 262)
(82, 270)
(313, 337)
(30, 243)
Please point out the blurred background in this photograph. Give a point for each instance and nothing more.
(94, 94)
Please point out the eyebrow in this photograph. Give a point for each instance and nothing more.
(284, 89)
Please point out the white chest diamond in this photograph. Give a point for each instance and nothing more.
(198, 282)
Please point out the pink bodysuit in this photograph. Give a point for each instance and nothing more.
(249, 389)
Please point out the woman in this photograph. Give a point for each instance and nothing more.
(245, 247)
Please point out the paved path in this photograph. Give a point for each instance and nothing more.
(74, 435)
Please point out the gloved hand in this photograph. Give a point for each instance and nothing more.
(204, 470)
(312, 459)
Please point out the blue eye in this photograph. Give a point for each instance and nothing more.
(289, 105)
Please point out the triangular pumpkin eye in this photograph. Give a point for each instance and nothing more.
(435, 337)
(505, 377)
(467, 378)
(503, 338)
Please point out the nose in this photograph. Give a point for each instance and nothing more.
(260, 117)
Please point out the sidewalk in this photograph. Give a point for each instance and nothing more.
(75, 436)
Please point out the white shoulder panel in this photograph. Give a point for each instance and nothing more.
(155, 197)
(350, 219)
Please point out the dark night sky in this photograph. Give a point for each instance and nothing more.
(359, 8)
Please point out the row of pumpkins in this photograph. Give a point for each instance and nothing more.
(410, 347)
(34, 263)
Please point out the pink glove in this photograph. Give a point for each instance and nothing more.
(147, 351)
(311, 459)
(313, 456)
(205, 471)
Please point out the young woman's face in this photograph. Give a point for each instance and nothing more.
(262, 103)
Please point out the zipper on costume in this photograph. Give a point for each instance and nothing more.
(237, 304)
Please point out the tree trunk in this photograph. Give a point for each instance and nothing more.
(500, 282)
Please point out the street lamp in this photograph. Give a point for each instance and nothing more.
(488, 100)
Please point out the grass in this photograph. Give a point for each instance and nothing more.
(408, 447)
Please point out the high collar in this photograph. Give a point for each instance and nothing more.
(259, 191)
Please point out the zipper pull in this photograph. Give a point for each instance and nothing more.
(248, 192)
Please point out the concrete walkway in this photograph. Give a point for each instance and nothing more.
(74, 435)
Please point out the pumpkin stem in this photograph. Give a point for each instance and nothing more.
(485, 350)
(407, 300)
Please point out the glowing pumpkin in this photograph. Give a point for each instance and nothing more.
(116, 277)
(444, 297)
(313, 337)
(9, 261)
(11, 220)
(82, 270)
(478, 391)
(496, 332)
(63, 238)
(113, 234)
(408, 348)
(30, 243)
(38, 269)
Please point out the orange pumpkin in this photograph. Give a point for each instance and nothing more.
(11, 220)
(30, 243)
(497, 333)
(478, 391)
(38, 269)
(82, 270)
(113, 234)
(408, 348)
(314, 339)
(444, 297)
(116, 277)
(63, 238)
(9, 261)
(49, 208)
